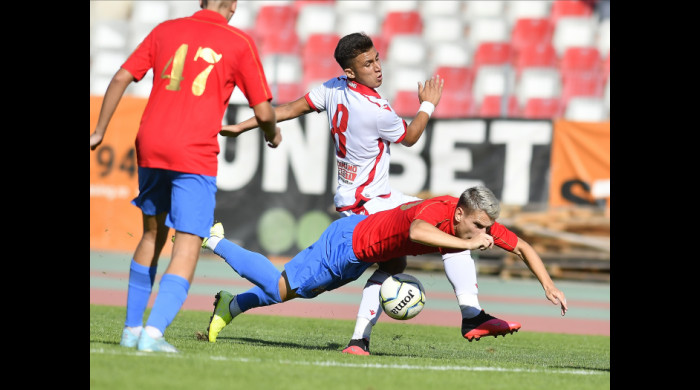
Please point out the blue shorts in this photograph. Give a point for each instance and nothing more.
(329, 262)
(188, 199)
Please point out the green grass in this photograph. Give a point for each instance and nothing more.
(272, 352)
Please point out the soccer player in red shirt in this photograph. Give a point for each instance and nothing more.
(197, 62)
(350, 245)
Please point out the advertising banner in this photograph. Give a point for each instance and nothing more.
(580, 164)
(278, 201)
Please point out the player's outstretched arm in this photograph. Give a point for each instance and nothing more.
(111, 100)
(283, 112)
(431, 93)
(536, 266)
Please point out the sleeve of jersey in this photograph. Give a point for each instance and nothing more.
(317, 98)
(141, 59)
(251, 77)
(391, 126)
(503, 237)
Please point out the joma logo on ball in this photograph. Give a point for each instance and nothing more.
(403, 302)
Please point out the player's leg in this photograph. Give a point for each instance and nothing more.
(460, 270)
(370, 310)
(193, 199)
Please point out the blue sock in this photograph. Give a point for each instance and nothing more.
(255, 297)
(140, 286)
(252, 266)
(171, 295)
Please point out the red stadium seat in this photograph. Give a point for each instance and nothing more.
(275, 20)
(401, 22)
(606, 67)
(319, 46)
(542, 108)
(491, 107)
(580, 59)
(457, 78)
(541, 56)
(405, 103)
(570, 8)
(287, 43)
(492, 53)
(320, 71)
(455, 104)
(531, 32)
(582, 84)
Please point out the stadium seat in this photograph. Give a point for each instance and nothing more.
(286, 92)
(603, 40)
(478, 9)
(573, 31)
(400, 22)
(405, 103)
(586, 109)
(606, 67)
(407, 50)
(243, 18)
(542, 108)
(490, 107)
(111, 35)
(451, 8)
(492, 80)
(457, 78)
(582, 84)
(381, 44)
(282, 68)
(538, 83)
(455, 104)
(527, 10)
(320, 71)
(537, 56)
(314, 19)
(354, 21)
(443, 28)
(580, 59)
(492, 53)
(274, 20)
(181, 9)
(400, 78)
(319, 47)
(342, 7)
(384, 7)
(300, 4)
(568, 8)
(285, 43)
(530, 32)
(455, 53)
(149, 12)
(488, 30)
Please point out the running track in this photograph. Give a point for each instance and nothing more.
(520, 300)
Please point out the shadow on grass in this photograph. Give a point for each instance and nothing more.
(280, 344)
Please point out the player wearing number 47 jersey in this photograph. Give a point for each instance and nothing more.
(197, 61)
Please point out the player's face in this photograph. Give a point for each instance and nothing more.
(366, 69)
(470, 225)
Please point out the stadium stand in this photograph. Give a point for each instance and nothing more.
(546, 35)
(492, 107)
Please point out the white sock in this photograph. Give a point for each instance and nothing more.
(370, 310)
(212, 242)
(135, 329)
(461, 272)
(154, 332)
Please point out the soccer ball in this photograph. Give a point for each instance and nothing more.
(402, 296)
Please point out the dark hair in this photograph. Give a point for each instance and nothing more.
(350, 46)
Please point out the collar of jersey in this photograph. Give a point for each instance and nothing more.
(363, 89)
(210, 16)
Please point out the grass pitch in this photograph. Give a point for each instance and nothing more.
(272, 352)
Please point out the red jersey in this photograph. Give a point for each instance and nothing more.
(384, 235)
(197, 61)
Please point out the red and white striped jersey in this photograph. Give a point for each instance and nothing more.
(363, 125)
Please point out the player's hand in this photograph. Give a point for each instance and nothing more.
(231, 131)
(431, 91)
(557, 297)
(483, 241)
(275, 140)
(95, 140)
